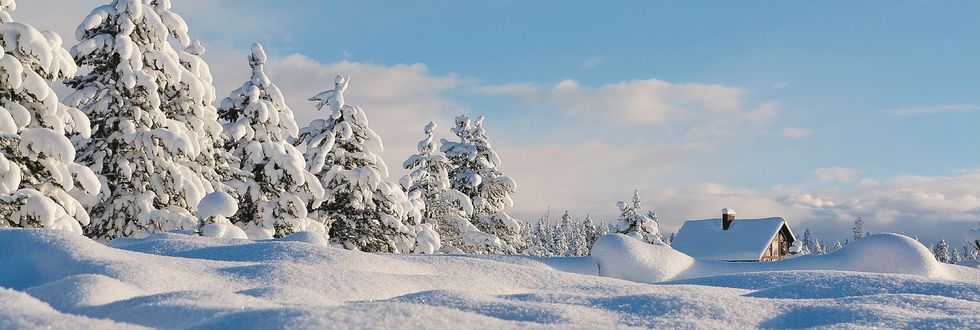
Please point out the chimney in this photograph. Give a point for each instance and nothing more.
(727, 217)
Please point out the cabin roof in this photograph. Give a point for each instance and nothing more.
(745, 239)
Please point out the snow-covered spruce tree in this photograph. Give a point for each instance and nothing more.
(941, 251)
(445, 209)
(475, 174)
(578, 245)
(362, 209)
(858, 229)
(954, 256)
(837, 246)
(563, 234)
(37, 159)
(192, 103)
(258, 123)
(807, 244)
(140, 152)
(590, 231)
(634, 223)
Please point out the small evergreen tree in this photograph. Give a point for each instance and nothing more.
(954, 256)
(941, 251)
(859, 229)
(37, 160)
(589, 231)
(447, 209)
(837, 246)
(808, 243)
(634, 223)
(578, 245)
(258, 123)
(475, 174)
(362, 208)
(564, 233)
(542, 240)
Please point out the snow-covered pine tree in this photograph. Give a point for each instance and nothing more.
(37, 160)
(563, 235)
(578, 245)
(140, 152)
(193, 105)
(837, 246)
(858, 229)
(969, 251)
(590, 231)
(362, 209)
(446, 209)
(670, 240)
(634, 223)
(808, 243)
(941, 251)
(475, 174)
(545, 231)
(541, 246)
(258, 123)
(954, 256)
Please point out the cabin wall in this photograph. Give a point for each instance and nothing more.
(777, 249)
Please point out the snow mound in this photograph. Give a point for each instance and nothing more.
(19, 310)
(622, 257)
(306, 237)
(628, 258)
(223, 230)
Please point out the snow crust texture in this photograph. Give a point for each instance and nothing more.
(61, 280)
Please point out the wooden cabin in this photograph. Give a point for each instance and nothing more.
(727, 239)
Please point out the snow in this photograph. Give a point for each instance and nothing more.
(627, 258)
(55, 279)
(745, 239)
(217, 204)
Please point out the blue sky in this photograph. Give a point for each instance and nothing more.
(816, 111)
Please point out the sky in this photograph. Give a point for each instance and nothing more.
(819, 112)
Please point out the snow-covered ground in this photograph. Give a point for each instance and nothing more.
(63, 280)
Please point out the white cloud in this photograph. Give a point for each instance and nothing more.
(835, 174)
(592, 62)
(919, 111)
(780, 85)
(795, 132)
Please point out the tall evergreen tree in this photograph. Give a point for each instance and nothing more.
(363, 210)
(808, 243)
(447, 210)
(591, 231)
(190, 103)
(138, 149)
(563, 234)
(858, 229)
(258, 123)
(633, 222)
(941, 251)
(475, 174)
(37, 160)
(578, 244)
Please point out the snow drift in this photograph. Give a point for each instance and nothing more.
(626, 258)
(58, 279)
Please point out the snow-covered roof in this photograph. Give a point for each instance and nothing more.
(746, 239)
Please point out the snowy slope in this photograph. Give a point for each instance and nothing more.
(62, 280)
